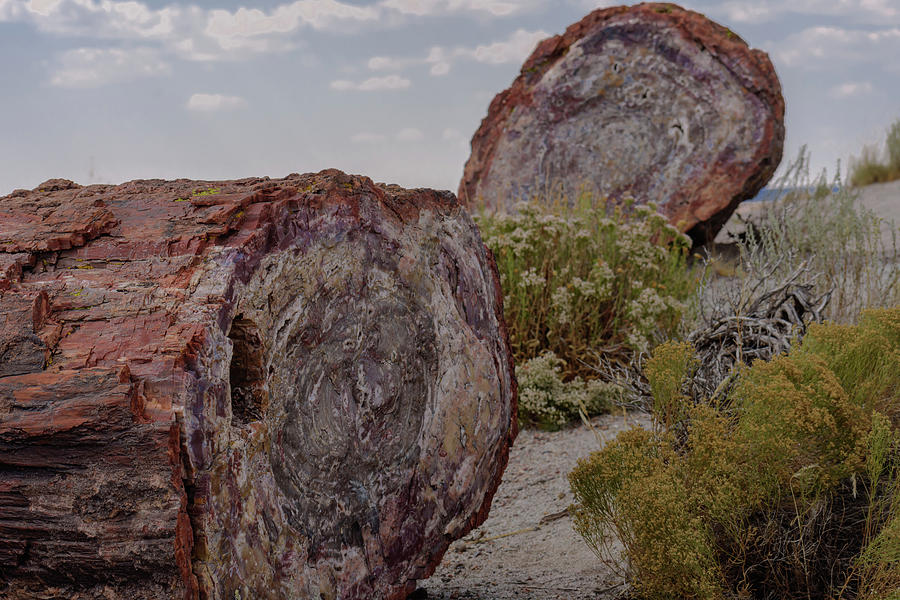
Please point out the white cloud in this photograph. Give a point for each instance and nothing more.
(192, 49)
(9, 10)
(42, 7)
(824, 47)
(193, 32)
(764, 11)
(189, 31)
(455, 138)
(589, 5)
(213, 102)
(850, 89)
(367, 137)
(386, 63)
(93, 67)
(440, 68)
(514, 49)
(373, 84)
(746, 12)
(342, 85)
(497, 8)
(243, 28)
(439, 59)
(248, 28)
(104, 18)
(391, 82)
(409, 134)
(229, 29)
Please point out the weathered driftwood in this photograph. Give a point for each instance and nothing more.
(739, 321)
(294, 388)
(751, 320)
(651, 102)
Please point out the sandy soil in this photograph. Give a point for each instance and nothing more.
(527, 548)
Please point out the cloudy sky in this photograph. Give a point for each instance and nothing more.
(107, 90)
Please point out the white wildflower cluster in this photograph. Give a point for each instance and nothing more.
(645, 210)
(584, 287)
(634, 245)
(646, 311)
(529, 219)
(531, 278)
(606, 223)
(603, 278)
(566, 300)
(516, 241)
(523, 232)
(587, 276)
(561, 305)
(553, 225)
(545, 400)
(583, 234)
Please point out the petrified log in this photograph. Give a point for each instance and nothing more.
(294, 388)
(650, 102)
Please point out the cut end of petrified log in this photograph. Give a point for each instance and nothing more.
(650, 102)
(258, 388)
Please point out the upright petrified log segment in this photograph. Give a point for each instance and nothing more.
(295, 388)
(651, 102)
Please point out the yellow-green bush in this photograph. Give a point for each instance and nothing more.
(666, 371)
(588, 278)
(789, 489)
(631, 488)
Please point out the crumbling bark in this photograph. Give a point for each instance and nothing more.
(295, 388)
(650, 102)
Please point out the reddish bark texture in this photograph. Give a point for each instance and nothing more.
(652, 102)
(257, 388)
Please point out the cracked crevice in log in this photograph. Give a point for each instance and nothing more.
(294, 388)
(247, 377)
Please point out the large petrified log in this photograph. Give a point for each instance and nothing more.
(294, 388)
(651, 102)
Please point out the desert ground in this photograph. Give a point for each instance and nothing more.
(528, 548)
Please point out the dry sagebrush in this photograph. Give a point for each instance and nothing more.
(790, 489)
(818, 224)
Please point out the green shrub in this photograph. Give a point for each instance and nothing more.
(548, 402)
(587, 279)
(893, 144)
(871, 168)
(868, 168)
(879, 562)
(790, 489)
